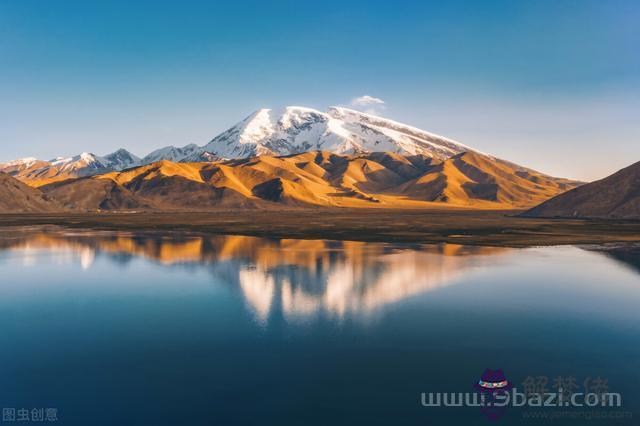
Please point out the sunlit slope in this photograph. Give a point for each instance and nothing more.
(472, 179)
(314, 179)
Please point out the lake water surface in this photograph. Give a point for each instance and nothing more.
(186, 329)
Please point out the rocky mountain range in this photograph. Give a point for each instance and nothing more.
(265, 132)
(317, 178)
(291, 158)
(339, 130)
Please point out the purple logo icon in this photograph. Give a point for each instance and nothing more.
(493, 387)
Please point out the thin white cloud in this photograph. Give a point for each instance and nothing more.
(367, 101)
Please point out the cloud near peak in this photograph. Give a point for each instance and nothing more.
(367, 101)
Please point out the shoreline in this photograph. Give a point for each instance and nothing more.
(466, 227)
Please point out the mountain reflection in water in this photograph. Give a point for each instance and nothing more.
(301, 278)
(172, 328)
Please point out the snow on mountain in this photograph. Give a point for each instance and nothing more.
(21, 162)
(339, 130)
(200, 156)
(85, 164)
(188, 153)
(122, 159)
(294, 129)
(409, 139)
(22, 165)
(170, 153)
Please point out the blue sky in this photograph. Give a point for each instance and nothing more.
(554, 85)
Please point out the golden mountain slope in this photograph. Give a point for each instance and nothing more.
(16, 197)
(314, 179)
(40, 173)
(473, 179)
(20, 170)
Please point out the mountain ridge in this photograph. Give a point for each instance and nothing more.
(395, 154)
(340, 130)
(616, 196)
(292, 130)
(316, 178)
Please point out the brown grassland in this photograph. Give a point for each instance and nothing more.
(458, 226)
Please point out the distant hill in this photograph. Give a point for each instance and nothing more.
(615, 197)
(317, 178)
(16, 197)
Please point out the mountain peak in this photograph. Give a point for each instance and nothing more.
(121, 159)
(26, 162)
(187, 153)
(120, 151)
(339, 130)
(87, 156)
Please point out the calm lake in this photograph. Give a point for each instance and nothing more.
(186, 329)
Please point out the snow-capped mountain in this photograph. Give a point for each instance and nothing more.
(38, 172)
(116, 161)
(121, 159)
(85, 164)
(188, 153)
(404, 138)
(265, 132)
(21, 162)
(200, 156)
(61, 168)
(19, 166)
(339, 130)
